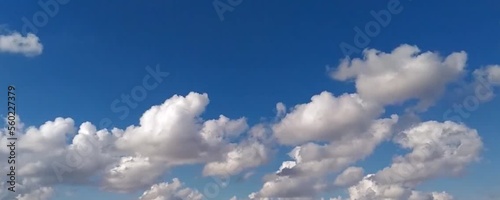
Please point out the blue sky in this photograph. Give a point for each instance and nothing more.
(260, 54)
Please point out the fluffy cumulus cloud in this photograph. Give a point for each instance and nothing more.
(239, 158)
(164, 132)
(438, 150)
(404, 74)
(326, 118)
(16, 43)
(168, 135)
(329, 131)
(131, 173)
(368, 189)
(332, 133)
(327, 136)
(340, 153)
(304, 176)
(47, 156)
(171, 191)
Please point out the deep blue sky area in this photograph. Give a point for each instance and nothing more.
(262, 53)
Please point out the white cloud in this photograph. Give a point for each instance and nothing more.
(438, 149)
(44, 193)
(401, 75)
(171, 191)
(166, 130)
(46, 155)
(132, 173)
(430, 196)
(349, 177)
(169, 135)
(490, 73)
(481, 88)
(290, 187)
(339, 154)
(217, 130)
(242, 156)
(329, 135)
(326, 118)
(344, 123)
(369, 189)
(28, 45)
(50, 136)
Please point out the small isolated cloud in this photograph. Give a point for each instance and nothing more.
(16, 43)
(489, 73)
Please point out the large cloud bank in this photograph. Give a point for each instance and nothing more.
(329, 135)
